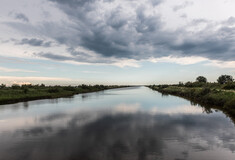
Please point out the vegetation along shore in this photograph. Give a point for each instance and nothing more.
(21, 93)
(219, 95)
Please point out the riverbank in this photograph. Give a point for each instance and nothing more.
(215, 97)
(24, 93)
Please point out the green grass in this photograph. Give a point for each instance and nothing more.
(214, 96)
(29, 92)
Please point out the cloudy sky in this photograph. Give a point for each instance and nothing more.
(115, 41)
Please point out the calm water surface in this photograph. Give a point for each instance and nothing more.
(123, 124)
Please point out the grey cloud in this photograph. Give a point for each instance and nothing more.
(99, 37)
(119, 34)
(79, 3)
(198, 21)
(203, 47)
(75, 56)
(116, 19)
(73, 52)
(230, 21)
(103, 45)
(52, 56)
(34, 42)
(156, 2)
(182, 6)
(146, 23)
(184, 16)
(74, 3)
(21, 16)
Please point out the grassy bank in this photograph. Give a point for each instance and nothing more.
(208, 94)
(23, 93)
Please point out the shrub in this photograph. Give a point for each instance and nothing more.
(230, 104)
(2, 86)
(69, 88)
(26, 90)
(205, 91)
(53, 90)
(189, 84)
(163, 86)
(15, 86)
(229, 86)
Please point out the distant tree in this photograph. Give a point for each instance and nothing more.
(189, 84)
(181, 84)
(15, 86)
(26, 90)
(42, 85)
(2, 86)
(201, 79)
(223, 79)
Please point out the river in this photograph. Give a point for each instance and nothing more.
(133, 123)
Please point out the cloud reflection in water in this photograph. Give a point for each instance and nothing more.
(126, 136)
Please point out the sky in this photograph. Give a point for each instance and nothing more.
(71, 42)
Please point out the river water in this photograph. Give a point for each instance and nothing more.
(133, 123)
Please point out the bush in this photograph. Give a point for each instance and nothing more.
(26, 90)
(42, 85)
(53, 90)
(2, 86)
(205, 91)
(83, 86)
(15, 86)
(163, 86)
(189, 84)
(230, 104)
(69, 88)
(229, 86)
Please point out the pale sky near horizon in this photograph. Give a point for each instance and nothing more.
(115, 41)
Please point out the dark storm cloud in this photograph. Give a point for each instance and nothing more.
(116, 35)
(216, 48)
(123, 32)
(120, 35)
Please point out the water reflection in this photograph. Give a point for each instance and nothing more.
(124, 129)
(125, 136)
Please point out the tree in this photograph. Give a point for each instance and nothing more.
(2, 86)
(15, 86)
(201, 79)
(223, 79)
(42, 85)
(26, 90)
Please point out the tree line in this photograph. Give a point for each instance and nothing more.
(223, 79)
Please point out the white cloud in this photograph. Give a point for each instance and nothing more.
(178, 60)
(221, 64)
(185, 109)
(9, 80)
(94, 72)
(127, 63)
(127, 108)
(3, 69)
